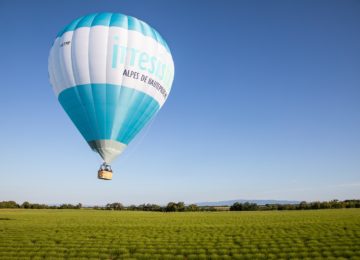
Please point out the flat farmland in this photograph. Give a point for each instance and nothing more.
(97, 234)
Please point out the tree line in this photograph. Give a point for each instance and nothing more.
(181, 207)
(27, 205)
(333, 204)
(170, 207)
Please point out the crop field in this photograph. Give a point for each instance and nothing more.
(97, 234)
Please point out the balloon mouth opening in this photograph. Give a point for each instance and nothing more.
(107, 149)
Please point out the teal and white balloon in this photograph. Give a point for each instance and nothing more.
(111, 73)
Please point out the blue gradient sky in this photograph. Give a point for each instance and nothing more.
(265, 105)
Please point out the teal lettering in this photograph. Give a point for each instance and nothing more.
(143, 58)
(123, 54)
(133, 55)
(142, 61)
(114, 56)
(152, 63)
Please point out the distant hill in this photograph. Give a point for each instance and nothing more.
(258, 202)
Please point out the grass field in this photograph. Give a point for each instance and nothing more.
(77, 234)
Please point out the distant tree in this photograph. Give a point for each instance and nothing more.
(335, 204)
(325, 205)
(236, 207)
(315, 205)
(132, 207)
(171, 207)
(290, 207)
(180, 206)
(271, 206)
(244, 206)
(146, 207)
(192, 207)
(25, 205)
(68, 206)
(155, 207)
(115, 206)
(250, 206)
(303, 205)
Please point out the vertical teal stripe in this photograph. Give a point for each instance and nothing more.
(118, 20)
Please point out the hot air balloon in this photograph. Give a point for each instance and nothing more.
(111, 73)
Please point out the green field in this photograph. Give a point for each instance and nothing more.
(96, 234)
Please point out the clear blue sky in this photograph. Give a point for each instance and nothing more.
(265, 105)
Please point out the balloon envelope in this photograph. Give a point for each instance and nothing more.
(111, 74)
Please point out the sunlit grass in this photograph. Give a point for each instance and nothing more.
(95, 234)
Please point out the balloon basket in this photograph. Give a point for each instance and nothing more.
(105, 172)
(104, 175)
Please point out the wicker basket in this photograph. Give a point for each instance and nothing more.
(104, 175)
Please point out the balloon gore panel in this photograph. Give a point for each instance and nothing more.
(108, 112)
